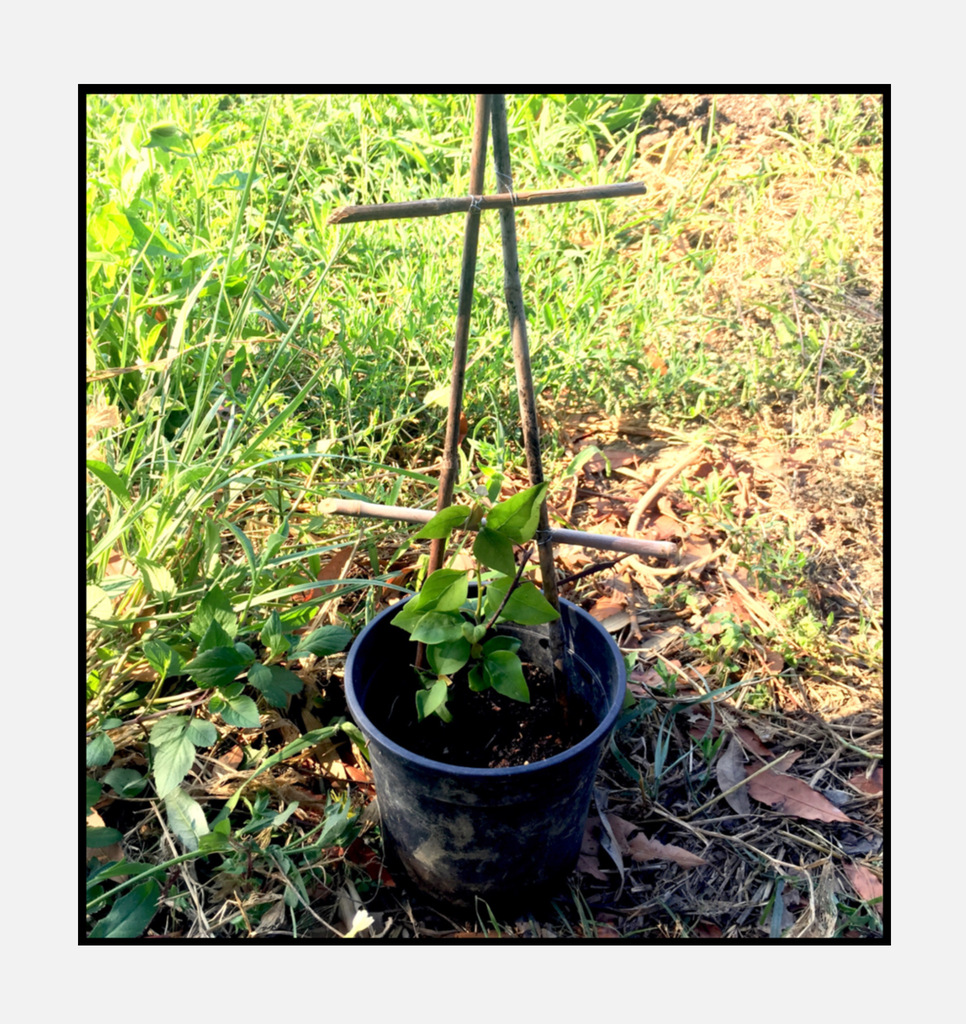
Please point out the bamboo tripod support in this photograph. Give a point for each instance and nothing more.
(493, 109)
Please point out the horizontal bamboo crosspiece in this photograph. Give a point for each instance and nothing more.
(502, 201)
(600, 541)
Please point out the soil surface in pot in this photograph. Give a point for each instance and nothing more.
(489, 731)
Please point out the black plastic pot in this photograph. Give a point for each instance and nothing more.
(507, 835)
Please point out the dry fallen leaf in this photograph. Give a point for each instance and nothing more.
(864, 882)
(641, 848)
(789, 795)
(872, 786)
(332, 570)
(752, 743)
(605, 607)
(730, 770)
(587, 862)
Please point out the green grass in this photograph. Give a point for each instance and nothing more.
(245, 361)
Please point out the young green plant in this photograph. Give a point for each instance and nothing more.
(457, 631)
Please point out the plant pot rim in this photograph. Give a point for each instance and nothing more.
(370, 730)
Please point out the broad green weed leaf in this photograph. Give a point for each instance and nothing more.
(217, 667)
(240, 711)
(235, 179)
(110, 230)
(213, 842)
(505, 674)
(99, 750)
(157, 580)
(516, 518)
(99, 605)
(215, 636)
(163, 659)
(174, 753)
(214, 606)
(100, 837)
(201, 732)
(185, 818)
(447, 519)
(126, 782)
(323, 641)
(276, 684)
(273, 637)
(495, 551)
(131, 914)
(93, 790)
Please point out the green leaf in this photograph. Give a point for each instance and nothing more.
(164, 659)
(217, 667)
(99, 750)
(201, 732)
(273, 637)
(407, 617)
(526, 605)
(126, 782)
(110, 230)
(443, 522)
(502, 643)
(213, 842)
(495, 551)
(215, 636)
(505, 674)
(438, 628)
(157, 580)
(448, 658)
(99, 605)
(131, 914)
(517, 517)
(276, 684)
(214, 606)
(474, 634)
(477, 679)
(174, 753)
(99, 837)
(431, 700)
(240, 711)
(185, 818)
(93, 790)
(110, 479)
(323, 641)
(444, 591)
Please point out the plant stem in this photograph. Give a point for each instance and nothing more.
(513, 586)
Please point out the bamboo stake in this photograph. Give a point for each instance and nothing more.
(600, 541)
(524, 375)
(474, 201)
(450, 460)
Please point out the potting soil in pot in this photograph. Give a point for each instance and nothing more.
(488, 730)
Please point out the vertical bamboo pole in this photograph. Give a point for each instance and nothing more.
(524, 377)
(450, 460)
